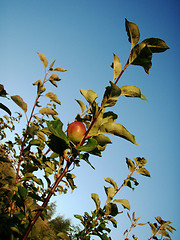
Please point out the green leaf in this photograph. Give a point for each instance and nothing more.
(43, 59)
(53, 97)
(112, 182)
(62, 236)
(111, 95)
(19, 101)
(123, 202)
(140, 161)
(102, 139)
(130, 164)
(82, 105)
(143, 171)
(117, 66)
(95, 197)
(110, 192)
(60, 69)
(2, 106)
(141, 55)
(89, 95)
(132, 32)
(156, 45)
(22, 191)
(85, 157)
(132, 91)
(35, 142)
(90, 146)
(117, 130)
(56, 129)
(47, 111)
(111, 209)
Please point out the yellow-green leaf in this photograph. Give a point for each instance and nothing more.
(53, 97)
(19, 101)
(117, 66)
(43, 59)
(48, 111)
(60, 69)
(123, 202)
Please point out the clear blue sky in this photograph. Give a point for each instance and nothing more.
(82, 36)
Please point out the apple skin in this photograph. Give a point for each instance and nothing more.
(76, 131)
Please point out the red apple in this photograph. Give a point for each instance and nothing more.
(76, 131)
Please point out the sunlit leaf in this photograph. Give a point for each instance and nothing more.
(47, 111)
(123, 202)
(89, 95)
(118, 130)
(112, 182)
(19, 101)
(60, 69)
(51, 65)
(43, 59)
(53, 97)
(131, 165)
(82, 105)
(110, 192)
(95, 197)
(117, 66)
(132, 32)
(143, 171)
(132, 91)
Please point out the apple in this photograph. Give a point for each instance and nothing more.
(76, 131)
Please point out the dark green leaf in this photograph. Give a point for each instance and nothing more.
(90, 146)
(111, 209)
(3, 92)
(132, 32)
(22, 191)
(85, 157)
(2, 106)
(156, 45)
(141, 55)
(111, 95)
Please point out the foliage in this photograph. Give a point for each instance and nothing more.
(43, 147)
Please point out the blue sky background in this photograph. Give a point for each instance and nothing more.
(82, 36)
